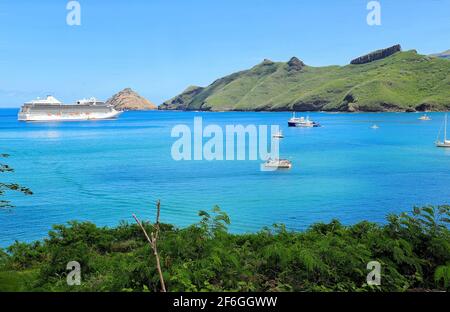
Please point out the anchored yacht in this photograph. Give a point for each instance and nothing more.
(278, 135)
(424, 117)
(277, 164)
(50, 109)
(302, 122)
(445, 142)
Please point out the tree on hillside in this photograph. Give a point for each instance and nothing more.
(9, 186)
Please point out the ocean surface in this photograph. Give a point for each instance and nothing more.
(103, 171)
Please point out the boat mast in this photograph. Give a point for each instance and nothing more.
(445, 128)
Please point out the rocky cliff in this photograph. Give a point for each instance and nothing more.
(377, 55)
(127, 99)
(295, 64)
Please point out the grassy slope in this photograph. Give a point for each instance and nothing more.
(401, 82)
(445, 55)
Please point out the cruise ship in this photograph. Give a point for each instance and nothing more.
(50, 109)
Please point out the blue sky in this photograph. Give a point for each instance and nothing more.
(159, 47)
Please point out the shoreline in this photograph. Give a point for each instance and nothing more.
(268, 111)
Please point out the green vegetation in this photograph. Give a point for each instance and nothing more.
(9, 186)
(413, 249)
(444, 55)
(405, 81)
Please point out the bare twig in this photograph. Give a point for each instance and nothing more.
(152, 239)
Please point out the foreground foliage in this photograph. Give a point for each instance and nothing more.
(413, 249)
(9, 186)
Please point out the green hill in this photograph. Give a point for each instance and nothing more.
(444, 55)
(404, 81)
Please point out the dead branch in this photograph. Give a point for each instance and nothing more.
(152, 240)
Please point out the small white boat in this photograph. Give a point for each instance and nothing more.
(278, 135)
(445, 142)
(278, 164)
(374, 127)
(424, 117)
(302, 122)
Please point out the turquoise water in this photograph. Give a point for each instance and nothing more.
(104, 171)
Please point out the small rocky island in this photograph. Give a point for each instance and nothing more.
(127, 99)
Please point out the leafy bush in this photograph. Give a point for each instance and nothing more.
(10, 186)
(413, 249)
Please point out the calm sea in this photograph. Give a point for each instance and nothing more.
(104, 171)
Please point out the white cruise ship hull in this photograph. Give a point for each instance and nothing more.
(51, 109)
(82, 116)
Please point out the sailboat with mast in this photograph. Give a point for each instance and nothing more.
(445, 142)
